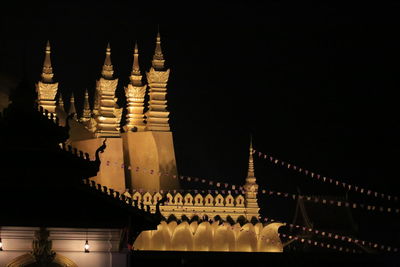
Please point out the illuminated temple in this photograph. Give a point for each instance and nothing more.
(138, 165)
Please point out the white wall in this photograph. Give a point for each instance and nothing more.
(68, 242)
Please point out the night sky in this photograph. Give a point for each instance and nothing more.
(314, 83)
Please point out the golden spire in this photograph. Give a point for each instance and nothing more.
(251, 187)
(250, 171)
(136, 77)
(47, 73)
(86, 106)
(108, 70)
(72, 104)
(158, 58)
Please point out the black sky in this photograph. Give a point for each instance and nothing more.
(315, 83)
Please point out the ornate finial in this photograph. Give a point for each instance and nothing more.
(158, 58)
(135, 68)
(251, 187)
(136, 77)
(250, 171)
(47, 73)
(86, 106)
(108, 70)
(72, 104)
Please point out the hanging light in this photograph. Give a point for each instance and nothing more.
(1, 245)
(87, 246)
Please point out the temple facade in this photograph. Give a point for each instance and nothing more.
(140, 164)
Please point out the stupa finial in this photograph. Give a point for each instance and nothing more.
(108, 70)
(47, 73)
(135, 67)
(250, 171)
(158, 58)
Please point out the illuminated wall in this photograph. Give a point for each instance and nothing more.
(211, 237)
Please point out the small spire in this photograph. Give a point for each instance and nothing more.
(158, 58)
(47, 73)
(86, 102)
(72, 104)
(86, 106)
(108, 70)
(60, 101)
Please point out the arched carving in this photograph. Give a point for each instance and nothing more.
(170, 199)
(239, 201)
(203, 237)
(137, 197)
(219, 200)
(246, 239)
(126, 193)
(27, 260)
(178, 199)
(147, 198)
(188, 199)
(209, 200)
(182, 239)
(198, 200)
(229, 201)
(215, 237)
(157, 196)
(224, 238)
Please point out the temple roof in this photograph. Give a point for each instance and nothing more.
(42, 182)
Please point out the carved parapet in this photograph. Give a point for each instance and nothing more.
(157, 115)
(47, 95)
(188, 199)
(107, 114)
(107, 87)
(135, 93)
(200, 204)
(157, 77)
(135, 105)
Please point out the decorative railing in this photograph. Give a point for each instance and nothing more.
(188, 199)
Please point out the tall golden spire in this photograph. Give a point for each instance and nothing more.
(158, 57)
(250, 172)
(47, 73)
(108, 70)
(46, 88)
(136, 77)
(251, 187)
(107, 113)
(135, 94)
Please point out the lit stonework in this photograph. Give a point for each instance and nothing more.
(157, 77)
(135, 93)
(47, 88)
(214, 236)
(108, 115)
(147, 144)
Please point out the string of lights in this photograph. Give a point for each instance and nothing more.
(315, 199)
(322, 178)
(336, 236)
